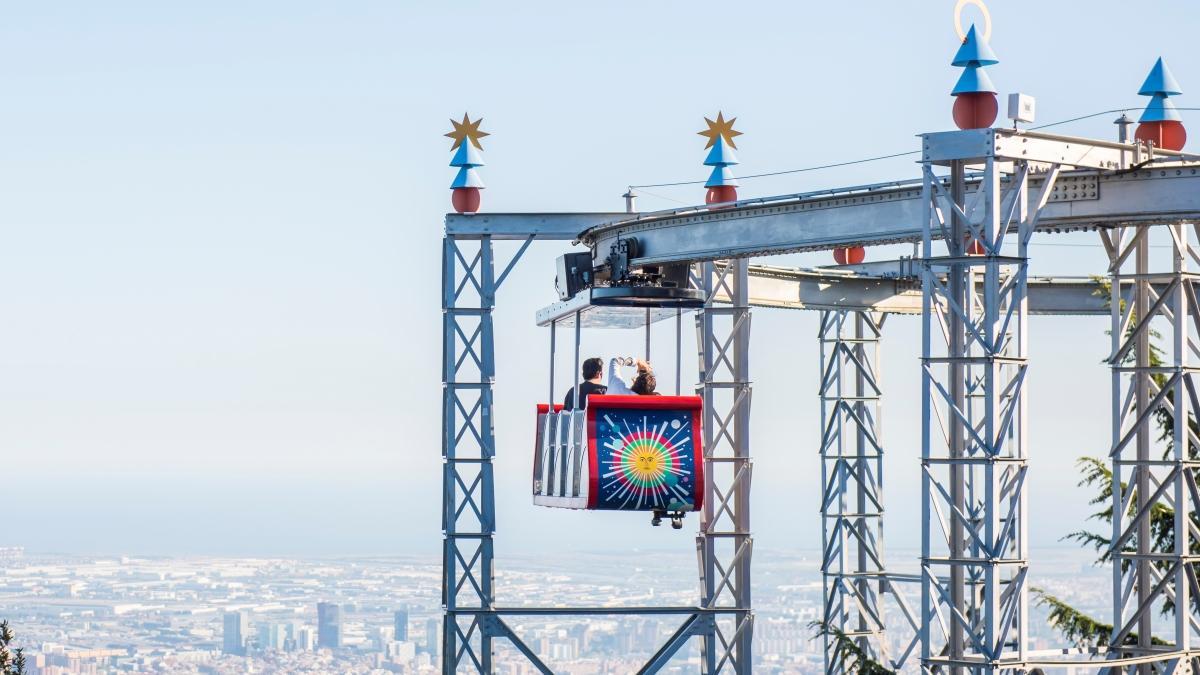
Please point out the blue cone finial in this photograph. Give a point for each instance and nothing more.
(721, 175)
(974, 51)
(467, 155)
(974, 80)
(1160, 81)
(1160, 110)
(467, 178)
(721, 154)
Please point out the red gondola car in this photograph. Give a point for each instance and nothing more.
(622, 453)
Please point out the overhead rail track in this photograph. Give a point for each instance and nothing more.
(1112, 184)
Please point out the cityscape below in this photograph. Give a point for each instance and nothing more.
(95, 615)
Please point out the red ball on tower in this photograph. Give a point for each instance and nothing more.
(1167, 134)
(465, 200)
(975, 110)
(721, 193)
(849, 255)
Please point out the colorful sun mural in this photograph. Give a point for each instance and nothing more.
(646, 459)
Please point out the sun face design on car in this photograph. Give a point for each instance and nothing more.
(645, 459)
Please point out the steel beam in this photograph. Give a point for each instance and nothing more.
(834, 290)
(1018, 145)
(890, 213)
(468, 446)
(1155, 343)
(696, 624)
(543, 226)
(974, 607)
(724, 543)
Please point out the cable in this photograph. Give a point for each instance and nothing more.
(664, 197)
(787, 171)
(880, 157)
(1087, 117)
(1084, 118)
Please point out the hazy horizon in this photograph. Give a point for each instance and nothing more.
(222, 225)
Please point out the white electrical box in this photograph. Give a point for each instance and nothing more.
(1021, 108)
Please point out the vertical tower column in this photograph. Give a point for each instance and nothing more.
(724, 543)
(1154, 453)
(468, 445)
(852, 481)
(973, 437)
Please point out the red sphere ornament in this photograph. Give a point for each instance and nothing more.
(976, 110)
(465, 200)
(1168, 134)
(851, 255)
(721, 193)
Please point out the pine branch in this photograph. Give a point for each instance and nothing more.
(1079, 628)
(847, 651)
(10, 664)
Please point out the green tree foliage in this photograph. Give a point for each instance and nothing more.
(12, 661)
(1079, 628)
(847, 651)
(1076, 626)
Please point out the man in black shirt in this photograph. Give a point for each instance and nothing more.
(592, 371)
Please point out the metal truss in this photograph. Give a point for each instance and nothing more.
(724, 543)
(851, 475)
(856, 580)
(974, 605)
(472, 619)
(1154, 454)
(469, 285)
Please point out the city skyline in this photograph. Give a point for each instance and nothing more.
(74, 613)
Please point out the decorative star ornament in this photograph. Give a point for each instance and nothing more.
(720, 128)
(466, 129)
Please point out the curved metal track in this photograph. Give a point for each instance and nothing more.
(888, 214)
(1098, 193)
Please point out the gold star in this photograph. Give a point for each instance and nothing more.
(466, 129)
(721, 128)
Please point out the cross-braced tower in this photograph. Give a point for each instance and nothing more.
(725, 544)
(852, 564)
(974, 545)
(1155, 448)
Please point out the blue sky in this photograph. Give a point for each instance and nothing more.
(221, 224)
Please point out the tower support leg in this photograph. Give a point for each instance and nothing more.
(469, 285)
(974, 608)
(852, 478)
(1155, 447)
(725, 544)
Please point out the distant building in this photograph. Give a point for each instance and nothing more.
(402, 625)
(329, 625)
(431, 637)
(234, 641)
(272, 637)
(401, 652)
(383, 635)
(306, 639)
